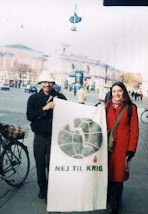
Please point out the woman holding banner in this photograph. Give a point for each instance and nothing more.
(125, 141)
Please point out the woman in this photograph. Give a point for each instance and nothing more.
(126, 138)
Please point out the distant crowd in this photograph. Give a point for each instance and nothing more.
(136, 95)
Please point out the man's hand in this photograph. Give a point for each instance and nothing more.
(48, 106)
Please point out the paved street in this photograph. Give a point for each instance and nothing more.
(24, 200)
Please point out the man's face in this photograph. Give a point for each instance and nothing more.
(46, 86)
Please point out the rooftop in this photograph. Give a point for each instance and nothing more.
(21, 47)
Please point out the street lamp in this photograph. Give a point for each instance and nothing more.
(106, 70)
(75, 19)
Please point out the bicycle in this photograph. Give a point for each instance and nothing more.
(14, 160)
(144, 116)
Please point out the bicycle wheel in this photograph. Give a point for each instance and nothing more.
(15, 163)
(144, 116)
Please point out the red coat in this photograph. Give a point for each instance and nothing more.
(126, 138)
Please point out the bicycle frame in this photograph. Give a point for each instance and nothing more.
(144, 116)
(3, 144)
(13, 159)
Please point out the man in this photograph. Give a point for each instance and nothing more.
(81, 95)
(40, 112)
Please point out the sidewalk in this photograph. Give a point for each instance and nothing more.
(24, 200)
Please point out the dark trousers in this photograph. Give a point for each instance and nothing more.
(42, 156)
(114, 194)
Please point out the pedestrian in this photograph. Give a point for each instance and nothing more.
(107, 96)
(132, 94)
(141, 96)
(75, 89)
(87, 88)
(81, 95)
(19, 84)
(125, 142)
(136, 95)
(40, 112)
(70, 87)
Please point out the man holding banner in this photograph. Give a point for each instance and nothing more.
(40, 112)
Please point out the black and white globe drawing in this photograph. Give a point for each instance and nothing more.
(80, 138)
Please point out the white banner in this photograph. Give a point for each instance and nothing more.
(78, 164)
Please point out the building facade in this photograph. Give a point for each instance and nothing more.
(20, 64)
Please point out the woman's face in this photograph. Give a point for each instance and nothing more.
(117, 93)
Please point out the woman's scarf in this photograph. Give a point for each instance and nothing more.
(116, 103)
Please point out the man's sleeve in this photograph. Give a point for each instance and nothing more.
(32, 112)
(61, 96)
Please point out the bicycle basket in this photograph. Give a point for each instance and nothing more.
(13, 132)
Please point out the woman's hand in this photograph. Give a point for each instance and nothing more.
(130, 155)
(48, 106)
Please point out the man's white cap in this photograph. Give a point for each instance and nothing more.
(45, 76)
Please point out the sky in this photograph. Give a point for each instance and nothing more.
(117, 36)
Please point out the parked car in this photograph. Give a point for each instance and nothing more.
(57, 88)
(30, 89)
(33, 89)
(27, 88)
(5, 86)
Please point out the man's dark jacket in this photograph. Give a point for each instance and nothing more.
(41, 121)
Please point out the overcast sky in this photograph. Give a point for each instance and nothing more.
(114, 35)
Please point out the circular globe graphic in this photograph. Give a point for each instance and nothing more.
(80, 138)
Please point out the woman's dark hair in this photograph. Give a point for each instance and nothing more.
(126, 97)
(125, 94)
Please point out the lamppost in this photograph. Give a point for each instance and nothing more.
(106, 70)
(29, 75)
